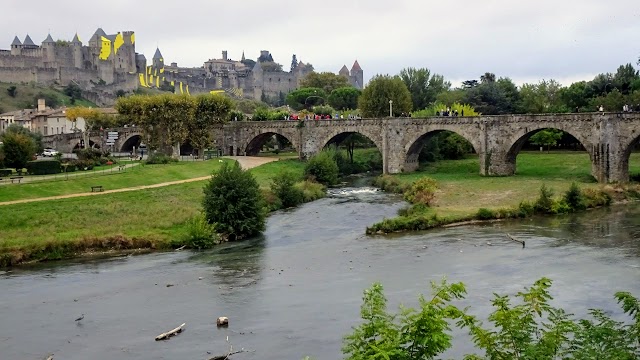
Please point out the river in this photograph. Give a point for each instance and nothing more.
(297, 290)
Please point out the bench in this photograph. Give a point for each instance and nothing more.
(16, 179)
(97, 188)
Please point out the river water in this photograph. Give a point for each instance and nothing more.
(297, 290)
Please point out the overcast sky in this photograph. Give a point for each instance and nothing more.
(526, 40)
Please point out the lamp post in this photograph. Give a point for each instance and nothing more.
(390, 108)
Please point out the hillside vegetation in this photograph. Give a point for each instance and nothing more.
(26, 96)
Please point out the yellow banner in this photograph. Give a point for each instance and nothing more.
(105, 49)
(117, 43)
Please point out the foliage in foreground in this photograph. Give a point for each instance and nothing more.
(524, 326)
(232, 201)
(323, 168)
(201, 234)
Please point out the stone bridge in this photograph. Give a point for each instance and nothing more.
(608, 138)
(128, 137)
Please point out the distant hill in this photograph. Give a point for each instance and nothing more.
(26, 96)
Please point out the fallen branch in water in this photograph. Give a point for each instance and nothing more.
(50, 357)
(181, 248)
(231, 352)
(516, 240)
(171, 333)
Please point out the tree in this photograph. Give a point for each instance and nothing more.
(73, 91)
(36, 136)
(546, 137)
(326, 81)
(374, 101)
(306, 98)
(283, 186)
(344, 98)
(624, 77)
(423, 87)
(487, 78)
(210, 111)
(233, 203)
(323, 168)
(544, 97)
(12, 91)
(49, 99)
(18, 149)
(489, 97)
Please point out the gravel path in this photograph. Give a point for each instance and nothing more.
(246, 162)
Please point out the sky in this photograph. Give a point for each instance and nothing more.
(525, 40)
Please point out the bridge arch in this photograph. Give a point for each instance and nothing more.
(336, 136)
(131, 141)
(522, 135)
(627, 149)
(257, 139)
(418, 139)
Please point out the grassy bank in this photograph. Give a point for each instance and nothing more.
(462, 192)
(135, 176)
(26, 95)
(150, 218)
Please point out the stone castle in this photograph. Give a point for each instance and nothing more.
(108, 64)
(242, 78)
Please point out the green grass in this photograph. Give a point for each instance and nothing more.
(462, 190)
(26, 93)
(151, 218)
(135, 176)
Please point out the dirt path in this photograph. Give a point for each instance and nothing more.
(246, 162)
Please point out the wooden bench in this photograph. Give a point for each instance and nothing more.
(97, 188)
(16, 179)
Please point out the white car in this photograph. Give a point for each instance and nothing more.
(50, 152)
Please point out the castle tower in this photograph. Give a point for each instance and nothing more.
(48, 45)
(128, 51)
(16, 46)
(28, 43)
(344, 71)
(357, 76)
(76, 44)
(158, 60)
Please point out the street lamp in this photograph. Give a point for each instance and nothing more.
(390, 108)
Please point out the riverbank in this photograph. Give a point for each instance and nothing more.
(464, 196)
(155, 218)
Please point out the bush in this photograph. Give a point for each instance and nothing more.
(159, 158)
(201, 234)
(560, 207)
(5, 172)
(283, 187)
(272, 202)
(232, 200)
(18, 149)
(485, 214)
(422, 191)
(594, 198)
(390, 184)
(574, 199)
(83, 164)
(526, 209)
(43, 167)
(322, 168)
(69, 167)
(311, 190)
(545, 200)
(88, 154)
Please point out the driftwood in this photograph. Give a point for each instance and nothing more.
(50, 357)
(516, 240)
(171, 333)
(181, 248)
(231, 352)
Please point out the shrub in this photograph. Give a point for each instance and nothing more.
(18, 149)
(83, 164)
(69, 167)
(232, 200)
(322, 168)
(545, 200)
(160, 158)
(5, 172)
(573, 198)
(283, 187)
(485, 214)
(88, 154)
(311, 190)
(560, 207)
(201, 234)
(422, 191)
(271, 201)
(594, 198)
(526, 209)
(43, 167)
(390, 184)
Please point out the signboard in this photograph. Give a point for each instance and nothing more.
(113, 133)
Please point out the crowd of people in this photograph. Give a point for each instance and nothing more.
(449, 112)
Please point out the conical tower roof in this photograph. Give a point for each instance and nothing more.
(76, 39)
(344, 70)
(100, 32)
(158, 54)
(356, 66)
(16, 42)
(28, 41)
(48, 40)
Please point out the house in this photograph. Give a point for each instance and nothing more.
(18, 117)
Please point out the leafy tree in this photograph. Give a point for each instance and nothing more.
(374, 101)
(306, 98)
(450, 97)
(210, 110)
(511, 94)
(438, 107)
(489, 97)
(546, 137)
(423, 86)
(487, 78)
(73, 91)
(283, 186)
(36, 136)
(12, 91)
(326, 81)
(49, 99)
(18, 149)
(249, 63)
(271, 66)
(544, 97)
(576, 96)
(323, 168)
(233, 202)
(344, 98)
(624, 78)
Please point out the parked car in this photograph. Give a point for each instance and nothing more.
(50, 152)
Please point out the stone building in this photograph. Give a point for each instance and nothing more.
(355, 75)
(241, 78)
(106, 64)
